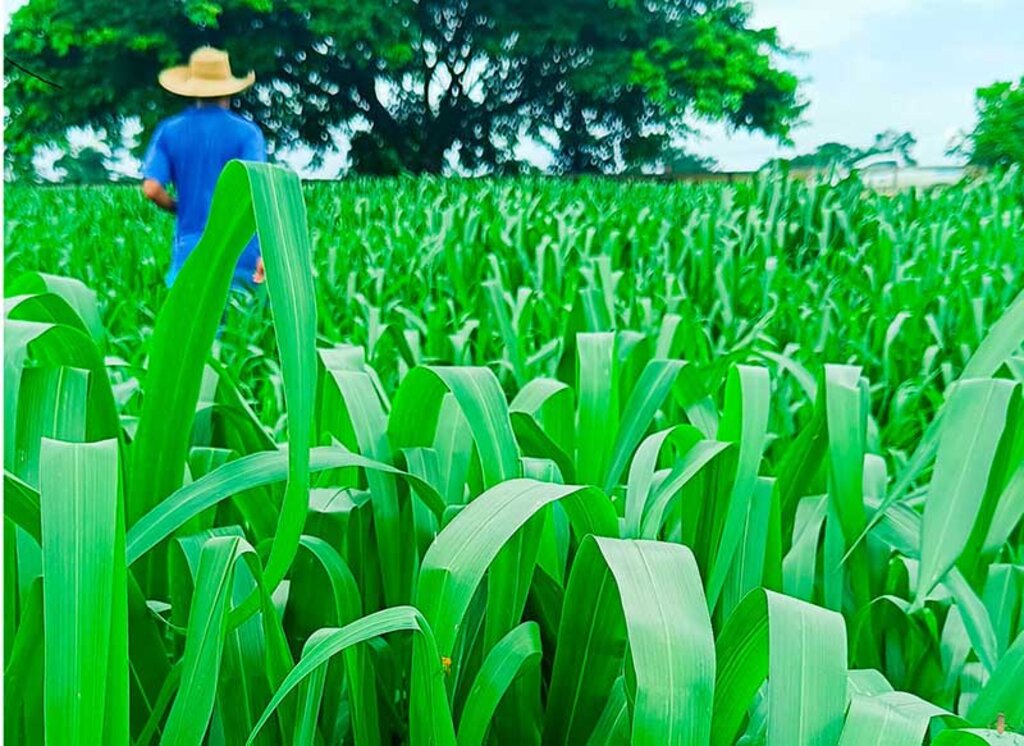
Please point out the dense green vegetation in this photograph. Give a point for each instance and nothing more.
(997, 140)
(631, 462)
(601, 85)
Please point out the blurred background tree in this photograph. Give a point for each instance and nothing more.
(86, 165)
(997, 140)
(602, 85)
(682, 163)
(892, 143)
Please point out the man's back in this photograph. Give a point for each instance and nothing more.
(189, 150)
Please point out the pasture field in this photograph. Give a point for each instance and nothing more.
(517, 462)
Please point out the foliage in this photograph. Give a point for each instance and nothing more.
(997, 139)
(87, 165)
(892, 142)
(683, 162)
(414, 83)
(837, 155)
(827, 155)
(595, 484)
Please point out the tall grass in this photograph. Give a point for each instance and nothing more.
(518, 462)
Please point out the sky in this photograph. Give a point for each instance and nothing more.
(871, 65)
(867, 66)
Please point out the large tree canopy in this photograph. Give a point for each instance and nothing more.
(997, 140)
(602, 83)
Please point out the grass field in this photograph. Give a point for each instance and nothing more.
(517, 462)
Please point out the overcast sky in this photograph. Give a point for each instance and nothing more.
(869, 65)
(874, 64)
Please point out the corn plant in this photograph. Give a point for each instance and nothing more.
(576, 490)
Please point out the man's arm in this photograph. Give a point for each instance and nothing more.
(256, 150)
(156, 194)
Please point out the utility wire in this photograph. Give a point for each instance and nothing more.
(37, 76)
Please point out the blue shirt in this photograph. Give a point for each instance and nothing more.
(189, 150)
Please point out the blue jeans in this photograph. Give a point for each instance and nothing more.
(183, 246)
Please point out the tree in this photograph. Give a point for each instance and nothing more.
(86, 165)
(891, 142)
(682, 162)
(997, 140)
(601, 82)
(828, 155)
(837, 155)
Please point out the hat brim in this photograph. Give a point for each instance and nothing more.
(177, 80)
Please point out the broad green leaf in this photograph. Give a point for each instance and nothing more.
(1008, 513)
(414, 415)
(456, 562)
(801, 650)
(648, 593)
(204, 642)
(1003, 340)
(430, 717)
(892, 718)
(977, 737)
(650, 392)
(51, 346)
(249, 198)
(85, 607)
(75, 292)
(970, 434)
(505, 662)
(244, 473)
(1001, 693)
(365, 418)
(597, 423)
(745, 423)
(21, 505)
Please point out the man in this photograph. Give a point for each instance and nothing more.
(190, 149)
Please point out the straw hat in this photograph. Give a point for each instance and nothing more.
(207, 75)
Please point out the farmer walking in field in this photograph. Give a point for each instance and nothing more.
(189, 150)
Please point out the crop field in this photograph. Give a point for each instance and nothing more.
(517, 462)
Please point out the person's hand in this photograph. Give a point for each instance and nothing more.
(260, 275)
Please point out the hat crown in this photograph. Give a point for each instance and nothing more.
(207, 75)
(207, 63)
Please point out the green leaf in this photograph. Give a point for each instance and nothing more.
(1003, 340)
(241, 474)
(971, 431)
(21, 505)
(648, 593)
(891, 718)
(745, 423)
(364, 416)
(249, 198)
(80, 297)
(612, 729)
(85, 606)
(430, 717)
(801, 650)
(642, 471)
(455, 564)
(977, 737)
(650, 392)
(1001, 693)
(505, 662)
(598, 407)
(204, 642)
(417, 405)
(975, 618)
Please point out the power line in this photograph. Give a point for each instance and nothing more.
(35, 75)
